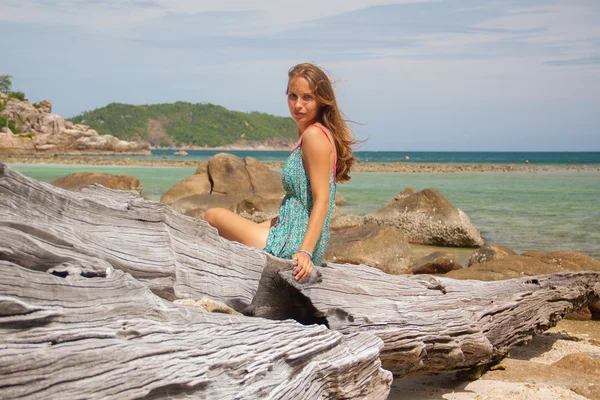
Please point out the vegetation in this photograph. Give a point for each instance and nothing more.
(11, 123)
(5, 83)
(17, 95)
(186, 123)
(5, 87)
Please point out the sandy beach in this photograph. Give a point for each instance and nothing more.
(406, 167)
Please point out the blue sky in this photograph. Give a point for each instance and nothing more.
(417, 75)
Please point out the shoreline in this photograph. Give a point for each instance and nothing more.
(406, 167)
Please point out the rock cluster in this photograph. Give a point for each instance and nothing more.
(45, 133)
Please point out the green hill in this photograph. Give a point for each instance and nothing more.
(181, 123)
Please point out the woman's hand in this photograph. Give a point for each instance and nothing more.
(304, 268)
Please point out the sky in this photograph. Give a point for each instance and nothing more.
(414, 75)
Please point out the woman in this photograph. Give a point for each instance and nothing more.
(322, 157)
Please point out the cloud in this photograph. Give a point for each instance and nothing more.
(431, 64)
(109, 14)
(593, 60)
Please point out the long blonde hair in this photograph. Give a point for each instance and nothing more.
(329, 115)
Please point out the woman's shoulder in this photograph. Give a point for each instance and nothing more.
(317, 132)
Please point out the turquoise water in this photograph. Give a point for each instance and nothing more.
(523, 210)
(155, 180)
(446, 157)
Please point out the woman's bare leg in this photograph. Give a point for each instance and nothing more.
(234, 227)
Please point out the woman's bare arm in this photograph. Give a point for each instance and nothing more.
(317, 155)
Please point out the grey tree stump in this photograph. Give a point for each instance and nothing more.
(427, 324)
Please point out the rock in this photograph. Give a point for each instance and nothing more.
(566, 260)
(246, 187)
(343, 221)
(427, 217)
(75, 181)
(528, 264)
(229, 175)
(45, 106)
(489, 253)
(181, 153)
(583, 314)
(258, 208)
(435, 263)
(382, 247)
(197, 204)
(340, 201)
(202, 168)
(15, 144)
(192, 185)
(580, 362)
(53, 134)
(265, 182)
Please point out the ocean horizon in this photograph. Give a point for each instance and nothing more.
(433, 157)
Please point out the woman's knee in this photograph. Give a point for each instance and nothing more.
(212, 215)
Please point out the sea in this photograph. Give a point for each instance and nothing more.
(525, 211)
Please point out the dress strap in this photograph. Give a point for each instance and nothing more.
(332, 146)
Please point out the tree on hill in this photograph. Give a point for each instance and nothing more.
(5, 83)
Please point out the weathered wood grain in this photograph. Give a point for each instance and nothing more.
(428, 324)
(111, 337)
(176, 256)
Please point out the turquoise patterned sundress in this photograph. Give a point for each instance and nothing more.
(287, 235)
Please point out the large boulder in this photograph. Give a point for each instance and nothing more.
(427, 217)
(265, 182)
(190, 186)
(229, 175)
(75, 181)
(435, 263)
(382, 247)
(246, 187)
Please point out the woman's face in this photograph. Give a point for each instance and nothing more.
(303, 106)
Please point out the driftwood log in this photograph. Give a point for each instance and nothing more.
(111, 337)
(85, 309)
